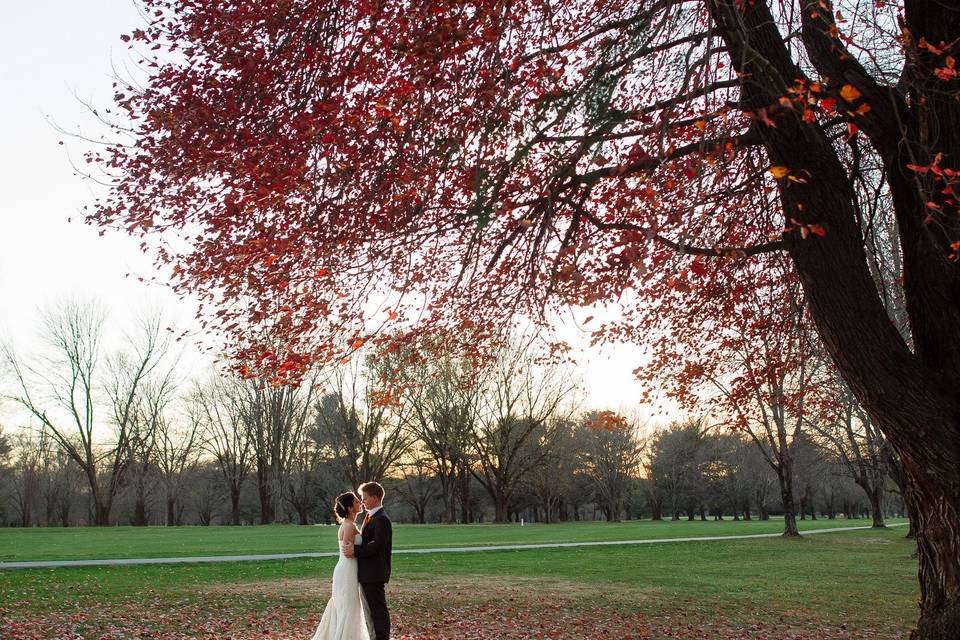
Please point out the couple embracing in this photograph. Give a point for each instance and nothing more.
(362, 571)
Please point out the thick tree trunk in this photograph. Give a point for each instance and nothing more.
(465, 515)
(235, 506)
(265, 493)
(910, 394)
(656, 509)
(789, 509)
(876, 506)
(102, 512)
(140, 512)
(938, 550)
(501, 513)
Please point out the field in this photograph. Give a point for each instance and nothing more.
(159, 542)
(859, 584)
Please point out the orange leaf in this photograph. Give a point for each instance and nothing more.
(778, 171)
(850, 93)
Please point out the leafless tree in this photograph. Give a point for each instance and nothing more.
(520, 405)
(27, 474)
(417, 485)
(612, 459)
(62, 390)
(205, 491)
(218, 406)
(177, 452)
(850, 435)
(142, 467)
(359, 428)
(60, 484)
(675, 454)
(441, 392)
(774, 420)
(554, 479)
(276, 418)
(303, 491)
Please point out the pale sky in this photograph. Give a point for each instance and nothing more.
(51, 54)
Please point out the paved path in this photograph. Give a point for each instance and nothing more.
(46, 564)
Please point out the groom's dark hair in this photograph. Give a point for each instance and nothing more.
(372, 489)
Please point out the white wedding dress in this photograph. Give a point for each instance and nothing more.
(343, 619)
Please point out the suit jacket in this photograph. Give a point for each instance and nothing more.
(373, 552)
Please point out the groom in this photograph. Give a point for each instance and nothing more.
(373, 557)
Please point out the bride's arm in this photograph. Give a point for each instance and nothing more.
(345, 535)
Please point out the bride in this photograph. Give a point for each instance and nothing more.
(343, 618)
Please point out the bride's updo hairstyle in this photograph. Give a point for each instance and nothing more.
(343, 504)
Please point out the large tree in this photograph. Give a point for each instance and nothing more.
(439, 388)
(850, 436)
(357, 425)
(612, 458)
(62, 389)
(520, 406)
(276, 420)
(218, 406)
(675, 455)
(529, 155)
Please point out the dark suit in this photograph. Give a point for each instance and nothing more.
(373, 569)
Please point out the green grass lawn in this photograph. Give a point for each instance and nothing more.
(863, 580)
(859, 584)
(158, 542)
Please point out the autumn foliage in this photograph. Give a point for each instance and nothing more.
(334, 168)
(318, 171)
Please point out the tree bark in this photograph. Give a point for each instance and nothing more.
(465, 513)
(501, 514)
(789, 511)
(876, 507)
(101, 511)
(140, 512)
(265, 492)
(656, 508)
(910, 395)
(235, 506)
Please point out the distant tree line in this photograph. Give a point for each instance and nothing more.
(117, 439)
